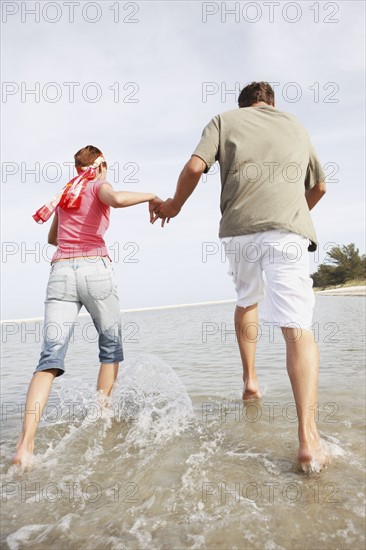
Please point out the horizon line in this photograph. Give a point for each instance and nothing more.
(173, 306)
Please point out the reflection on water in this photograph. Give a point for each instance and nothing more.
(178, 461)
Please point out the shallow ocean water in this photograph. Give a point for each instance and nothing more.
(178, 461)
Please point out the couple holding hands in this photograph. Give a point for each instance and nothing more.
(271, 178)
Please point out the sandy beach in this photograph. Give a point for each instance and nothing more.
(344, 291)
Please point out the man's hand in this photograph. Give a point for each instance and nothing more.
(165, 211)
(153, 205)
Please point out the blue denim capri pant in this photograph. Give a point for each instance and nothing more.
(74, 283)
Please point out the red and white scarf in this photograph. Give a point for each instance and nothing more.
(70, 196)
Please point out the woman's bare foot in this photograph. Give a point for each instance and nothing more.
(251, 391)
(104, 400)
(24, 454)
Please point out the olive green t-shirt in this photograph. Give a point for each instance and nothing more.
(266, 163)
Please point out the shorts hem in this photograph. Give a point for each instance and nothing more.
(250, 302)
(109, 361)
(60, 370)
(285, 324)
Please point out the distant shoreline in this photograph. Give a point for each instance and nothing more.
(354, 290)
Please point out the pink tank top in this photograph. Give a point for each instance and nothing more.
(81, 231)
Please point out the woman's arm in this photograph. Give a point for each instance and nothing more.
(122, 199)
(52, 234)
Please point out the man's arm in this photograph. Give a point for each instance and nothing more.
(52, 234)
(314, 194)
(187, 183)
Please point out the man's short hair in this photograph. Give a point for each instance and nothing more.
(255, 92)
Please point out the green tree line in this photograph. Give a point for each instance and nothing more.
(342, 264)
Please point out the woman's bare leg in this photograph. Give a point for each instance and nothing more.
(37, 397)
(107, 377)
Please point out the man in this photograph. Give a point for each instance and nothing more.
(271, 178)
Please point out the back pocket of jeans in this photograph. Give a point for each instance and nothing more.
(56, 288)
(99, 286)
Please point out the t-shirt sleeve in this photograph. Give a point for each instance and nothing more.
(98, 184)
(315, 173)
(208, 147)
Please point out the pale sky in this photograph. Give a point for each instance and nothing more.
(144, 86)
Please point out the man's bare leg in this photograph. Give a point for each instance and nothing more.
(106, 378)
(246, 327)
(302, 360)
(37, 397)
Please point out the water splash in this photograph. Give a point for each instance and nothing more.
(152, 399)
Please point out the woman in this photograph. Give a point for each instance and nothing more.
(81, 274)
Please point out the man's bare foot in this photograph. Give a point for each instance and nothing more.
(24, 454)
(251, 391)
(312, 456)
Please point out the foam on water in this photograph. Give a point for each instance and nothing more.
(24, 534)
(38, 533)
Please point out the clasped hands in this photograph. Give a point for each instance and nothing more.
(163, 210)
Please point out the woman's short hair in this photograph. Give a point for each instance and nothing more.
(87, 155)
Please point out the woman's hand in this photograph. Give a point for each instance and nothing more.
(153, 205)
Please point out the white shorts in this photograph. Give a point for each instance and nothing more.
(272, 268)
